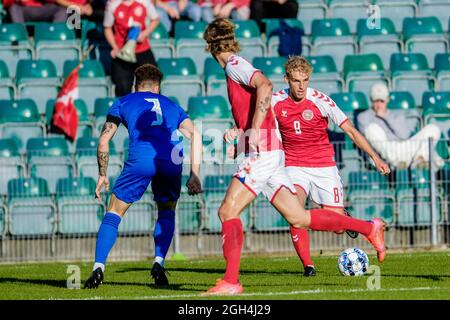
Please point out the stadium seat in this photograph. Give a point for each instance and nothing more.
(92, 82)
(308, 10)
(189, 42)
(436, 109)
(31, 209)
(362, 71)
(370, 39)
(273, 41)
(101, 108)
(49, 158)
(442, 66)
(215, 78)
(190, 210)
(435, 8)
(273, 69)
(403, 102)
(11, 163)
(14, 45)
(350, 10)
(215, 188)
(332, 36)
(7, 86)
(351, 161)
(424, 35)
(37, 80)
(85, 126)
(78, 211)
(161, 44)
(86, 158)
(351, 103)
(20, 120)
(397, 10)
(57, 42)
(266, 217)
(370, 196)
(180, 79)
(249, 37)
(410, 72)
(325, 76)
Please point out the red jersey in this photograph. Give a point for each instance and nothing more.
(122, 15)
(303, 127)
(242, 96)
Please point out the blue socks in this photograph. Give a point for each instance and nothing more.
(163, 234)
(107, 235)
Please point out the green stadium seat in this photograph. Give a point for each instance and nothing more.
(442, 66)
(249, 37)
(215, 78)
(384, 34)
(92, 82)
(14, 45)
(57, 42)
(101, 108)
(397, 10)
(86, 158)
(189, 42)
(161, 43)
(49, 158)
(208, 107)
(436, 109)
(351, 103)
(190, 210)
(273, 41)
(424, 35)
(403, 102)
(410, 72)
(308, 10)
(351, 161)
(350, 10)
(435, 8)
(11, 163)
(7, 86)
(37, 80)
(325, 76)
(215, 188)
(332, 36)
(20, 120)
(273, 69)
(31, 208)
(85, 126)
(180, 79)
(362, 71)
(79, 212)
(367, 181)
(266, 217)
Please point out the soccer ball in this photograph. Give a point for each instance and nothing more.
(353, 262)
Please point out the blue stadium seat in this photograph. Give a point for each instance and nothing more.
(11, 163)
(14, 45)
(325, 76)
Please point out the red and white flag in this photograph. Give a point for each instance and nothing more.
(65, 116)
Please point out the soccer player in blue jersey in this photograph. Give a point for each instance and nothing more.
(153, 156)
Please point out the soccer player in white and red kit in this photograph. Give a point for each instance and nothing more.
(303, 114)
(262, 169)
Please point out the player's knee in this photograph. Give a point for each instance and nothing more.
(227, 211)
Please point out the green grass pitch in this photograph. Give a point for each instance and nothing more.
(403, 276)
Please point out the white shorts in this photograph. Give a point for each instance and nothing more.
(323, 185)
(265, 174)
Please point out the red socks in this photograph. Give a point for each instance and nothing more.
(233, 238)
(300, 239)
(326, 220)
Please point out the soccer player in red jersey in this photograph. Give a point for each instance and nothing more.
(303, 114)
(262, 169)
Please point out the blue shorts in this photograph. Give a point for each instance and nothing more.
(137, 174)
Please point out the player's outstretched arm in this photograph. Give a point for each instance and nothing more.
(108, 131)
(188, 129)
(365, 146)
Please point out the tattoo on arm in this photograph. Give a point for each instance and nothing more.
(107, 127)
(102, 160)
(264, 105)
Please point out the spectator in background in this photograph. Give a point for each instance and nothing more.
(120, 15)
(36, 10)
(263, 9)
(170, 11)
(390, 135)
(234, 9)
(83, 5)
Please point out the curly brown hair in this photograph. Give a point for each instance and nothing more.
(298, 63)
(147, 74)
(220, 37)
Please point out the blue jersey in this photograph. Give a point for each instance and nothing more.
(152, 121)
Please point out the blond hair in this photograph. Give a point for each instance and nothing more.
(298, 63)
(220, 37)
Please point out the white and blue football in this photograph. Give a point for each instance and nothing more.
(353, 262)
